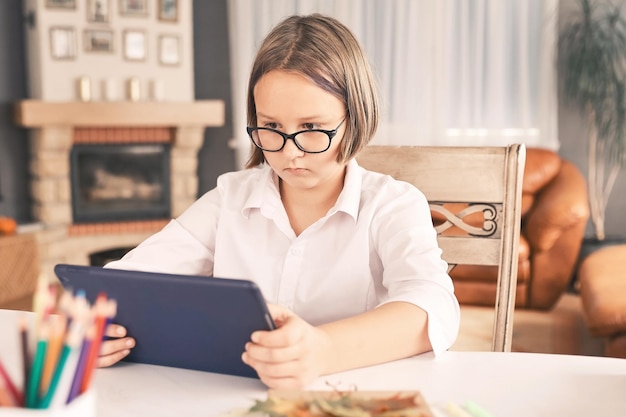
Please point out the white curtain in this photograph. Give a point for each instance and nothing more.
(451, 72)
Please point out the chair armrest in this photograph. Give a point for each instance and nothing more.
(560, 205)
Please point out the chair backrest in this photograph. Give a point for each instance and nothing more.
(480, 180)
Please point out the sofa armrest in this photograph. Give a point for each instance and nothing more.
(561, 204)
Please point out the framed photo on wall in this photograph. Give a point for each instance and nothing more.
(168, 10)
(135, 8)
(98, 40)
(60, 4)
(169, 50)
(98, 11)
(62, 42)
(135, 45)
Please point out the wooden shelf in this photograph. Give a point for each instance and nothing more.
(39, 114)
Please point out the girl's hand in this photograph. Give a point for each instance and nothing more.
(291, 356)
(112, 351)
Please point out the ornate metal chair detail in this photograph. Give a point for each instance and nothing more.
(462, 183)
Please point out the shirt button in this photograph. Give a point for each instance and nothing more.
(296, 252)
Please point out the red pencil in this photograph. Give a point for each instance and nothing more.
(5, 381)
(100, 308)
(6, 399)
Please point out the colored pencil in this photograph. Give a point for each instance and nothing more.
(59, 393)
(11, 390)
(476, 410)
(26, 360)
(101, 313)
(70, 348)
(40, 300)
(456, 411)
(32, 398)
(82, 362)
(55, 347)
(6, 399)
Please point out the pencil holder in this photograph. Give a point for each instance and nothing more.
(82, 406)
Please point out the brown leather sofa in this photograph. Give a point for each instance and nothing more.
(554, 215)
(602, 287)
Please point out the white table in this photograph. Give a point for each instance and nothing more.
(506, 384)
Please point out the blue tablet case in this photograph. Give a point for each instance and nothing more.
(184, 321)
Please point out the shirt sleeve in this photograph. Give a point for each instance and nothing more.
(413, 270)
(186, 245)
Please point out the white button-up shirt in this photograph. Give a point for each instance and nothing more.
(376, 245)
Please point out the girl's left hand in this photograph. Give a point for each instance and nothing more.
(291, 356)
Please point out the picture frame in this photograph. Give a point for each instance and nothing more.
(134, 8)
(98, 40)
(169, 50)
(62, 42)
(98, 11)
(168, 10)
(135, 45)
(61, 4)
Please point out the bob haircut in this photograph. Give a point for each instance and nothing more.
(326, 52)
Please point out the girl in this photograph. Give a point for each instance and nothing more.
(348, 259)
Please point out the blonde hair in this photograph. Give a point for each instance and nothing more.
(325, 51)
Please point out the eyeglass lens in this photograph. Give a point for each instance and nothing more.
(308, 141)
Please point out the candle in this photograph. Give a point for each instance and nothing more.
(156, 87)
(84, 89)
(134, 89)
(109, 92)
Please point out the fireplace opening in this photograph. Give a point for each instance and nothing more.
(120, 182)
(104, 257)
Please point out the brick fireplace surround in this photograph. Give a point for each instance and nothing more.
(57, 126)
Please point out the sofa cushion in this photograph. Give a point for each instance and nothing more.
(541, 167)
(602, 287)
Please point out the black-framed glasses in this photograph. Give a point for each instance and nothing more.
(309, 141)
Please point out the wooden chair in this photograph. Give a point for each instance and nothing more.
(484, 182)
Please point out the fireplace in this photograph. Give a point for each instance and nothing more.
(106, 175)
(119, 182)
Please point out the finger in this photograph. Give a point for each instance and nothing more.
(280, 314)
(290, 333)
(272, 370)
(115, 330)
(108, 360)
(272, 355)
(109, 347)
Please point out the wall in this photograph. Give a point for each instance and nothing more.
(573, 131)
(211, 80)
(13, 140)
(55, 78)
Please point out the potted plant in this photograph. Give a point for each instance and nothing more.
(592, 61)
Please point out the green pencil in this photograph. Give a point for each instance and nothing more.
(56, 376)
(476, 410)
(35, 371)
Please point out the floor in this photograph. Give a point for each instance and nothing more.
(560, 330)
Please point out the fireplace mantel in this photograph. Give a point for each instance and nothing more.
(56, 127)
(41, 114)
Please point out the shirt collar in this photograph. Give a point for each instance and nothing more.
(266, 196)
(350, 198)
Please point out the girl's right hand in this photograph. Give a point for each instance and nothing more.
(114, 350)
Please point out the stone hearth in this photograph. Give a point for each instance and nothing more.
(56, 127)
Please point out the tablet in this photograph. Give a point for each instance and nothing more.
(184, 321)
